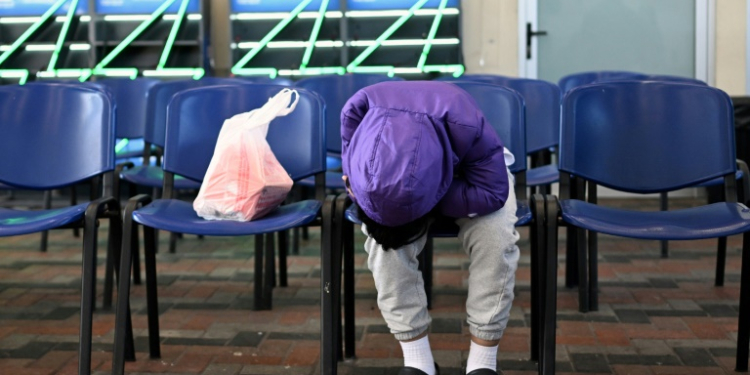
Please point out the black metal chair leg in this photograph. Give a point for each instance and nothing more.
(721, 260)
(346, 238)
(258, 287)
(110, 267)
(593, 280)
(45, 235)
(152, 299)
(743, 324)
(549, 310)
(173, 242)
(270, 274)
(537, 275)
(122, 310)
(87, 292)
(295, 241)
(283, 248)
(73, 202)
(583, 287)
(329, 297)
(664, 206)
(136, 257)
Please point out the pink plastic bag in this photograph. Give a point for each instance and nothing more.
(244, 180)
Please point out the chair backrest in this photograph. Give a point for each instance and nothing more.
(267, 80)
(677, 79)
(54, 135)
(470, 77)
(584, 78)
(504, 109)
(130, 98)
(542, 101)
(195, 118)
(160, 95)
(336, 91)
(655, 77)
(647, 136)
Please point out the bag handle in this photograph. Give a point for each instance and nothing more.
(277, 106)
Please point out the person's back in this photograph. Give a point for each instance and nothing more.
(412, 150)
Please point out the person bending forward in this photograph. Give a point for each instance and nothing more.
(413, 151)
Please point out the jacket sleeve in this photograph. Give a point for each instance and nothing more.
(352, 114)
(483, 185)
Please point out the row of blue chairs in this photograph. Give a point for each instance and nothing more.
(74, 138)
(187, 132)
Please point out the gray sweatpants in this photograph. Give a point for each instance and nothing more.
(490, 242)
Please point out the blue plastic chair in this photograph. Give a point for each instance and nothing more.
(631, 136)
(193, 123)
(154, 137)
(336, 91)
(584, 78)
(504, 109)
(542, 101)
(655, 77)
(130, 98)
(57, 121)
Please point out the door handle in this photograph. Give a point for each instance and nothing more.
(530, 33)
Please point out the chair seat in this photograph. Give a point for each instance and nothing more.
(544, 175)
(718, 181)
(709, 221)
(153, 176)
(446, 227)
(6, 187)
(333, 181)
(178, 216)
(18, 222)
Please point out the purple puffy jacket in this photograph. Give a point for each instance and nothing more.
(411, 146)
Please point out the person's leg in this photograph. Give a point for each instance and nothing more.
(402, 300)
(490, 242)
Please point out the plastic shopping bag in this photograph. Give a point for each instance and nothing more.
(244, 181)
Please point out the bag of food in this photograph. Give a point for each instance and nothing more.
(244, 181)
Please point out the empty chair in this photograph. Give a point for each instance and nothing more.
(632, 136)
(194, 121)
(44, 127)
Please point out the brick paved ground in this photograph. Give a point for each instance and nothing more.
(657, 316)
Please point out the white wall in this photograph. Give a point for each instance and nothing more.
(490, 36)
(731, 46)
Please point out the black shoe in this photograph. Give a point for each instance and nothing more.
(484, 371)
(416, 371)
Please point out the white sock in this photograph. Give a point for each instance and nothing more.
(418, 354)
(481, 357)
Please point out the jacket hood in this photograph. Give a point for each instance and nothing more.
(399, 163)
